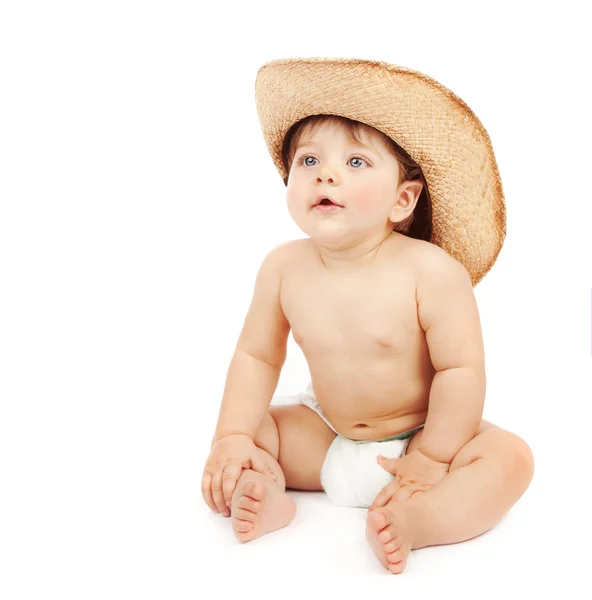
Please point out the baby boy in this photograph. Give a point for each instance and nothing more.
(388, 324)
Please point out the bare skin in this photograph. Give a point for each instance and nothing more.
(350, 297)
(400, 370)
(364, 326)
(259, 506)
(361, 338)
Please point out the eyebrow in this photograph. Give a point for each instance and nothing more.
(355, 145)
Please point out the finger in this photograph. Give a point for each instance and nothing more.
(389, 464)
(384, 495)
(217, 492)
(206, 491)
(230, 476)
(260, 465)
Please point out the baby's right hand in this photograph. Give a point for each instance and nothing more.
(228, 457)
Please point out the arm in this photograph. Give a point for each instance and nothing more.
(259, 355)
(448, 314)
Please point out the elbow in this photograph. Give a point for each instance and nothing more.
(275, 360)
(475, 372)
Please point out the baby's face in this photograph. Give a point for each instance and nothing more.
(362, 180)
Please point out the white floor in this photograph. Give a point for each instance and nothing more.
(113, 509)
(325, 547)
(539, 547)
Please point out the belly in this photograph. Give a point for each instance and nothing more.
(372, 395)
(369, 411)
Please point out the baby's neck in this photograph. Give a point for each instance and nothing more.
(351, 257)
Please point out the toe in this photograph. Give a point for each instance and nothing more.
(242, 526)
(398, 567)
(396, 556)
(249, 504)
(245, 515)
(254, 490)
(376, 520)
(243, 537)
(385, 536)
(390, 546)
(384, 518)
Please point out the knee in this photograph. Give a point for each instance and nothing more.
(503, 448)
(517, 455)
(523, 456)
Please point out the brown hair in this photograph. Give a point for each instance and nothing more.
(419, 223)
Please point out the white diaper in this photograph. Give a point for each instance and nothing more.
(350, 474)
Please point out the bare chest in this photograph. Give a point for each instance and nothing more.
(355, 315)
(365, 348)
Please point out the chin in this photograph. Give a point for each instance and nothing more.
(331, 239)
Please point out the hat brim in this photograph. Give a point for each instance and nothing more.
(436, 128)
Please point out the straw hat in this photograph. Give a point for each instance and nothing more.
(436, 128)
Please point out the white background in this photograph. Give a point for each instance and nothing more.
(137, 202)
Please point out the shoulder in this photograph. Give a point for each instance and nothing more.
(435, 265)
(443, 287)
(280, 256)
(289, 249)
(428, 263)
(437, 274)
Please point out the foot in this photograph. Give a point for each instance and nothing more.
(390, 533)
(259, 506)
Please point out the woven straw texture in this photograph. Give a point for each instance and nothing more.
(436, 128)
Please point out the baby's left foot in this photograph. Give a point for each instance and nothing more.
(390, 532)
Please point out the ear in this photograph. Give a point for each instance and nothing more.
(409, 193)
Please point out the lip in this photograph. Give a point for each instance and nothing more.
(325, 207)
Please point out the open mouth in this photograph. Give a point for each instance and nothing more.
(327, 202)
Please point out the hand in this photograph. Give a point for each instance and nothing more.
(414, 473)
(228, 457)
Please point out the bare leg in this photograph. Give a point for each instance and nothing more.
(299, 438)
(486, 478)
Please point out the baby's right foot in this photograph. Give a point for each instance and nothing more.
(259, 506)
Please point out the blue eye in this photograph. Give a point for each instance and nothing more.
(304, 160)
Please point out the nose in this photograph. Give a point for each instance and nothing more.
(326, 174)
(329, 179)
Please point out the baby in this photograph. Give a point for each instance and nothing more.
(388, 324)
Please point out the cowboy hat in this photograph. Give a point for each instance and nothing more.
(433, 125)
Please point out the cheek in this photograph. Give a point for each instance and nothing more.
(373, 197)
(367, 202)
(294, 204)
(291, 199)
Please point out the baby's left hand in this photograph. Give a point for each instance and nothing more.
(414, 472)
